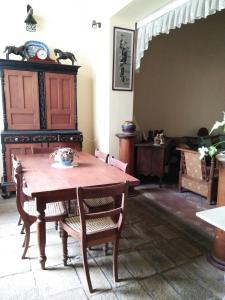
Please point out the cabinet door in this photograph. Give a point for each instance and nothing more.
(144, 161)
(60, 101)
(21, 96)
(157, 168)
(15, 149)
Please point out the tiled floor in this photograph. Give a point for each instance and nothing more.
(157, 260)
(182, 206)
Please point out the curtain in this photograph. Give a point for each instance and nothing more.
(183, 14)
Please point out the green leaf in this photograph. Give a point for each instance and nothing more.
(212, 151)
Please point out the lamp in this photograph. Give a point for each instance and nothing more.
(96, 25)
(30, 21)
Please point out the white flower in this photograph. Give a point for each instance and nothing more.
(203, 151)
(218, 124)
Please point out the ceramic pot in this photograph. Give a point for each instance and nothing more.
(62, 161)
(128, 127)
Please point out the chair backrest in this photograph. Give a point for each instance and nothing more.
(118, 191)
(192, 166)
(16, 167)
(101, 155)
(117, 163)
(18, 179)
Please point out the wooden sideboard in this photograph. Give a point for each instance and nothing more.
(39, 109)
(151, 159)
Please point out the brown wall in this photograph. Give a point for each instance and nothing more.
(181, 84)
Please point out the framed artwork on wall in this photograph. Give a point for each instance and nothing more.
(123, 54)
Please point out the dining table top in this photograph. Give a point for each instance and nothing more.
(42, 175)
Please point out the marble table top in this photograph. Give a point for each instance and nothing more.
(214, 216)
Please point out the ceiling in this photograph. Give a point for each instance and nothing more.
(139, 9)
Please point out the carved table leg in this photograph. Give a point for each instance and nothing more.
(160, 181)
(41, 233)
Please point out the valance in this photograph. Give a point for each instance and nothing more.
(184, 13)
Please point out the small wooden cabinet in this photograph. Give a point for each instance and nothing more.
(39, 109)
(151, 159)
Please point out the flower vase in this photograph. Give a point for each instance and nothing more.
(128, 127)
(62, 161)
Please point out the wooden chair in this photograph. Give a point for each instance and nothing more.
(26, 194)
(54, 212)
(117, 163)
(104, 203)
(95, 205)
(196, 176)
(101, 155)
(97, 228)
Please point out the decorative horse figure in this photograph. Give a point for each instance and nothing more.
(17, 51)
(64, 55)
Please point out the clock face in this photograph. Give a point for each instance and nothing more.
(42, 54)
(32, 47)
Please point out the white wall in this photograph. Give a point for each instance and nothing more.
(59, 26)
(121, 102)
(180, 87)
(67, 25)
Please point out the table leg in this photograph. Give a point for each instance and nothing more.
(160, 181)
(217, 256)
(41, 233)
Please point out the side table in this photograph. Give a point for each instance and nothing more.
(126, 150)
(151, 159)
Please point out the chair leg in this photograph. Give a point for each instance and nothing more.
(106, 248)
(86, 269)
(24, 242)
(64, 235)
(27, 240)
(22, 229)
(19, 221)
(56, 225)
(69, 206)
(115, 259)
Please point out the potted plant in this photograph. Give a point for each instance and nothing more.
(213, 149)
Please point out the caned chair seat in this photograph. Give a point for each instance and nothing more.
(92, 225)
(99, 202)
(52, 209)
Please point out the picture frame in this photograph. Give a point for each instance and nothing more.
(123, 56)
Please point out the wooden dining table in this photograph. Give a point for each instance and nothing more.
(48, 183)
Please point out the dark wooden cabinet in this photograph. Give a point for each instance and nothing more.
(151, 159)
(39, 109)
